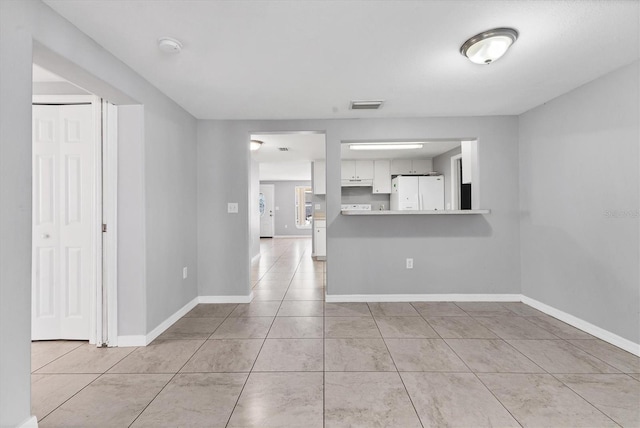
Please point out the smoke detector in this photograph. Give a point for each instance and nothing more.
(169, 45)
(283, 149)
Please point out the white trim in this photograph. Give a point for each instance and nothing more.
(95, 317)
(110, 218)
(585, 326)
(255, 258)
(141, 340)
(292, 236)
(340, 298)
(226, 299)
(62, 99)
(32, 422)
(128, 341)
(455, 182)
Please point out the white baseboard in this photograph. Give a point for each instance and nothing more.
(226, 299)
(32, 422)
(142, 340)
(585, 326)
(339, 298)
(132, 340)
(255, 258)
(292, 236)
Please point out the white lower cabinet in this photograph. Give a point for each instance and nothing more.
(320, 237)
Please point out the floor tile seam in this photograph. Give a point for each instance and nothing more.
(514, 338)
(397, 371)
(601, 359)
(584, 398)
(506, 341)
(60, 356)
(579, 349)
(256, 359)
(483, 384)
(180, 369)
(76, 393)
(504, 406)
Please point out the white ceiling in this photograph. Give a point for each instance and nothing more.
(294, 164)
(308, 59)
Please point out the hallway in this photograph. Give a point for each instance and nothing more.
(289, 359)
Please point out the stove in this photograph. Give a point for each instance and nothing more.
(356, 207)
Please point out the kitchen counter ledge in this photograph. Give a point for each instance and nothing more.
(410, 212)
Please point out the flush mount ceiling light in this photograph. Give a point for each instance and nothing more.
(169, 45)
(255, 145)
(385, 146)
(488, 46)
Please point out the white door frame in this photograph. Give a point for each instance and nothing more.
(455, 182)
(104, 286)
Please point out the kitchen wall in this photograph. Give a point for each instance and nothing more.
(284, 204)
(365, 195)
(442, 164)
(30, 31)
(579, 184)
(366, 255)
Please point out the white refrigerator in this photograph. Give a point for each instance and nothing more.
(423, 193)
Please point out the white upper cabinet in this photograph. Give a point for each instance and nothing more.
(319, 178)
(381, 176)
(411, 166)
(357, 170)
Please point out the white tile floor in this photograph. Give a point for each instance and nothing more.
(288, 359)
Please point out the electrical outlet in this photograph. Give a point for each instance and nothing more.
(317, 206)
(185, 273)
(286, 226)
(232, 208)
(409, 263)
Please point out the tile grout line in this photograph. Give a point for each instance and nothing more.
(396, 366)
(587, 401)
(259, 351)
(58, 357)
(183, 365)
(483, 384)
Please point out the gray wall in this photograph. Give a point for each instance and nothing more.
(579, 198)
(442, 164)
(285, 221)
(132, 297)
(452, 254)
(30, 30)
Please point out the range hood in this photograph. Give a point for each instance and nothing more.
(357, 183)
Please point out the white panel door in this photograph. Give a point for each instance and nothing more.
(267, 213)
(64, 180)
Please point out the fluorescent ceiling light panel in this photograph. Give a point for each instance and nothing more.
(385, 146)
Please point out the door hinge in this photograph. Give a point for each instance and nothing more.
(104, 227)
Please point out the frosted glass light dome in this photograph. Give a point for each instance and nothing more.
(489, 46)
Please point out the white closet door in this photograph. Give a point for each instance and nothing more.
(64, 178)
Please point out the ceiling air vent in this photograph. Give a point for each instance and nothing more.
(366, 105)
(283, 149)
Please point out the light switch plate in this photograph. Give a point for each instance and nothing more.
(232, 208)
(317, 206)
(185, 273)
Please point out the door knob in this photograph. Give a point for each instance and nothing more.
(45, 236)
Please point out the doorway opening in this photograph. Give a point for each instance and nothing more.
(74, 168)
(287, 200)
